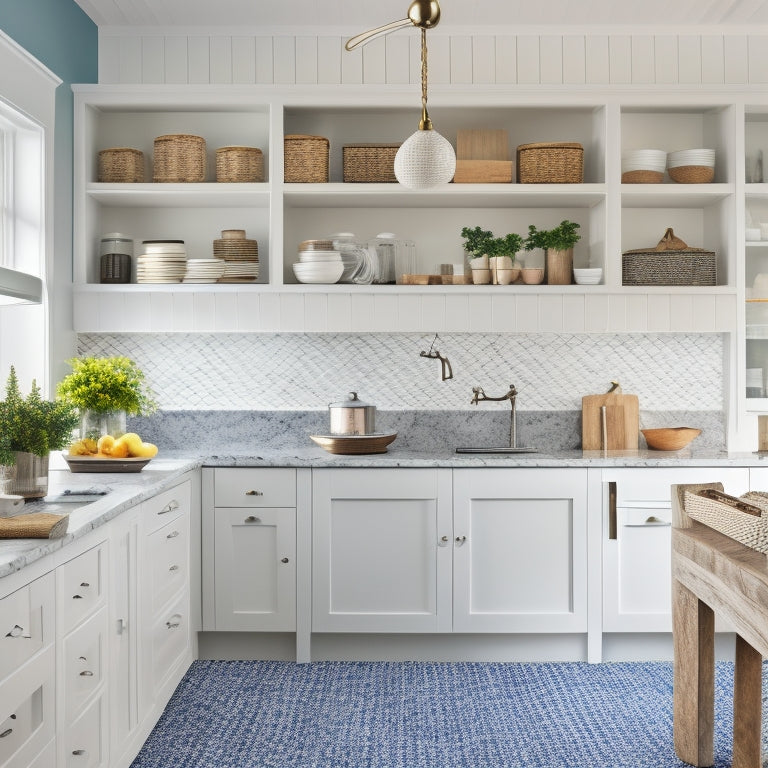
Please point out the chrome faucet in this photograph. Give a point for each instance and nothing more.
(478, 395)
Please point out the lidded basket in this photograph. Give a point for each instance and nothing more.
(179, 157)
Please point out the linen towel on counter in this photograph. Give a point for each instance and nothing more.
(35, 525)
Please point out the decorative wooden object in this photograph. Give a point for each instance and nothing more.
(482, 157)
(615, 428)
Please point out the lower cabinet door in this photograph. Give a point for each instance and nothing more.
(255, 569)
(520, 550)
(85, 740)
(166, 644)
(84, 661)
(381, 556)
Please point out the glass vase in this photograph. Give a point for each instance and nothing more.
(95, 424)
(28, 477)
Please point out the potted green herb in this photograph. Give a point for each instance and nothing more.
(477, 242)
(558, 245)
(502, 252)
(30, 428)
(105, 390)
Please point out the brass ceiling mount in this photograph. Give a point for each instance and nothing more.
(424, 14)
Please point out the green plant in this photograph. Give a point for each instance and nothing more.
(508, 245)
(31, 424)
(561, 238)
(104, 384)
(476, 241)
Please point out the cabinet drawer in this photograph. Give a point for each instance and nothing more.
(166, 506)
(26, 623)
(169, 560)
(84, 663)
(170, 640)
(27, 711)
(255, 488)
(79, 588)
(84, 742)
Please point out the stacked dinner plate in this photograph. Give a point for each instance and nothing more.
(643, 166)
(204, 270)
(318, 262)
(240, 256)
(691, 166)
(161, 261)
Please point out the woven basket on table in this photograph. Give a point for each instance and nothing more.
(369, 163)
(729, 519)
(306, 159)
(118, 165)
(239, 164)
(550, 163)
(179, 157)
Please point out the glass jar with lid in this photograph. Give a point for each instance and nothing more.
(116, 250)
(396, 257)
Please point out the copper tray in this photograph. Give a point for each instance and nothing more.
(354, 444)
(94, 464)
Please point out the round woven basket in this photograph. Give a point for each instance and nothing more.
(642, 177)
(179, 157)
(117, 165)
(239, 164)
(692, 174)
(306, 159)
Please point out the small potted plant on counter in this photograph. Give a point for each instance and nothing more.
(558, 246)
(30, 428)
(502, 252)
(477, 243)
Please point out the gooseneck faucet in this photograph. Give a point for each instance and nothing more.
(478, 395)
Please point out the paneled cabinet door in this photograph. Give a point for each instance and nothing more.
(381, 555)
(255, 569)
(520, 550)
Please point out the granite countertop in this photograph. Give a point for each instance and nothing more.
(124, 491)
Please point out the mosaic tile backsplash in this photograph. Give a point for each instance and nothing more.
(306, 372)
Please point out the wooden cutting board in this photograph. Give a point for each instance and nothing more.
(482, 144)
(622, 421)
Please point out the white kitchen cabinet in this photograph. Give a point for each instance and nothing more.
(381, 550)
(249, 550)
(520, 550)
(637, 541)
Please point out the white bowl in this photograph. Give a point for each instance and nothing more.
(321, 273)
(319, 257)
(588, 276)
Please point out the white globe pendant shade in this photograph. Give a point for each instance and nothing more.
(425, 159)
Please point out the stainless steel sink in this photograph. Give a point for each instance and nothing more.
(496, 450)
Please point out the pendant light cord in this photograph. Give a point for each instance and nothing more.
(425, 124)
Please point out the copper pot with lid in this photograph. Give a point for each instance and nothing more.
(352, 417)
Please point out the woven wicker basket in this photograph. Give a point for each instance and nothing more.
(34, 525)
(179, 157)
(642, 177)
(692, 174)
(239, 164)
(370, 162)
(550, 163)
(306, 159)
(727, 515)
(120, 164)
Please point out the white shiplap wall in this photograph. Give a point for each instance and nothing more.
(172, 57)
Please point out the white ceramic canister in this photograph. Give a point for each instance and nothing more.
(352, 417)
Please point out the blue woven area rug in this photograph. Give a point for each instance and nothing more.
(264, 714)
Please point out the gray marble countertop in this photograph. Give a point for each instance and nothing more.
(126, 490)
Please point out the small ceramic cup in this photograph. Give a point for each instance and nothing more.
(507, 276)
(481, 276)
(532, 275)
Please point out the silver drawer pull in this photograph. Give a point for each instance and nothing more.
(169, 507)
(175, 622)
(285, 560)
(174, 568)
(78, 752)
(650, 522)
(254, 493)
(460, 540)
(77, 597)
(6, 732)
(86, 673)
(172, 535)
(252, 519)
(18, 631)
(84, 584)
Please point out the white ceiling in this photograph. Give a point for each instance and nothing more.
(364, 14)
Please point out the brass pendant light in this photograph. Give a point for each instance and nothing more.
(426, 158)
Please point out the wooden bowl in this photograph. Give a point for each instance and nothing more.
(669, 438)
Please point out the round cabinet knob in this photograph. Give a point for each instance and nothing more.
(284, 560)
(78, 751)
(444, 539)
(460, 540)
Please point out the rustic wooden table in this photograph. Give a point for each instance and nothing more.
(713, 574)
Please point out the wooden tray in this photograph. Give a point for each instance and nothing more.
(354, 444)
(94, 464)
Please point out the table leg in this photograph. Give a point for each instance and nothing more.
(694, 677)
(747, 705)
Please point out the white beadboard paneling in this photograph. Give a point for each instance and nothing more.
(528, 71)
(506, 59)
(480, 314)
(183, 312)
(637, 314)
(703, 314)
(340, 312)
(408, 315)
(352, 67)
(573, 313)
(597, 313)
(329, 53)
(270, 311)
(712, 59)
(130, 59)
(306, 60)
(248, 311)
(316, 312)
(439, 58)
(574, 60)
(483, 59)
(265, 66)
(551, 59)
(433, 312)
(361, 311)
(689, 59)
(176, 59)
(725, 314)
(136, 306)
(109, 61)
(292, 312)
(82, 316)
(658, 313)
(666, 55)
(642, 59)
(617, 313)
(161, 311)
(397, 59)
(221, 60)
(204, 309)
(461, 59)
(152, 59)
(226, 312)
(504, 308)
(243, 60)
(284, 63)
(456, 312)
(551, 314)
(597, 58)
(620, 55)
(385, 313)
(736, 59)
(199, 64)
(681, 313)
(527, 313)
(110, 309)
(758, 59)
(375, 62)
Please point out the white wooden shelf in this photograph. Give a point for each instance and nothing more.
(674, 195)
(207, 195)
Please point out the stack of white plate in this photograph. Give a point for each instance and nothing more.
(318, 266)
(640, 166)
(204, 270)
(162, 261)
(588, 276)
(240, 272)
